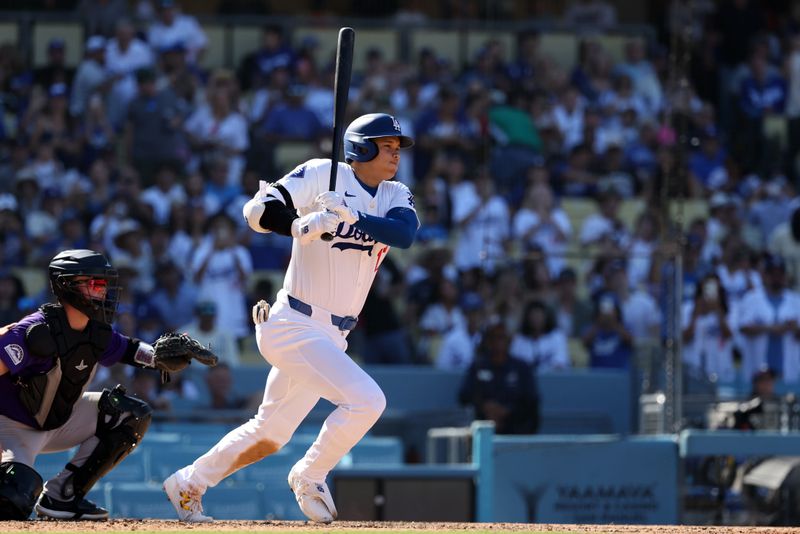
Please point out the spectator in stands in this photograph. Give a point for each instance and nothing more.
(521, 71)
(220, 267)
(784, 241)
(275, 52)
(11, 294)
(91, 76)
(443, 126)
(640, 252)
(735, 271)
(217, 128)
(55, 70)
(640, 313)
(484, 221)
(614, 173)
(439, 318)
(575, 177)
(769, 321)
(499, 387)
(540, 223)
(386, 340)
(457, 349)
(605, 226)
(174, 297)
(125, 54)
(164, 193)
(707, 166)
(573, 313)
(153, 130)
(290, 120)
(707, 335)
(222, 395)
(609, 342)
(762, 97)
(539, 342)
(773, 204)
(130, 247)
(96, 135)
(568, 115)
(144, 385)
(643, 76)
(48, 118)
(208, 330)
(173, 27)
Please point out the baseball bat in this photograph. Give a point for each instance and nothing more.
(341, 90)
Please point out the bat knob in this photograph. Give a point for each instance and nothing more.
(326, 237)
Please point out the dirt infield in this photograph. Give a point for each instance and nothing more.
(130, 525)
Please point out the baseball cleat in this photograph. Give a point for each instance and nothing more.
(187, 502)
(313, 497)
(83, 509)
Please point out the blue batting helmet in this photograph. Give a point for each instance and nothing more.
(358, 144)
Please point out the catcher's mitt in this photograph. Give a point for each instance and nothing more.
(174, 352)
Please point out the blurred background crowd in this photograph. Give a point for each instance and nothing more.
(553, 198)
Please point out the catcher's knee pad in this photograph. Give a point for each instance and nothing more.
(121, 425)
(20, 486)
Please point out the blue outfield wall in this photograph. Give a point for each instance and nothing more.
(576, 479)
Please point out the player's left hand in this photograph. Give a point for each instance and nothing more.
(333, 201)
(173, 352)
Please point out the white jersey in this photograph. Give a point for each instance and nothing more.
(337, 275)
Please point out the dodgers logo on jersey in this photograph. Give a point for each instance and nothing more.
(356, 234)
(15, 352)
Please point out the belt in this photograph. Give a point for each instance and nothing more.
(342, 323)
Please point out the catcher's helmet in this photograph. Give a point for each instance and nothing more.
(358, 144)
(65, 269)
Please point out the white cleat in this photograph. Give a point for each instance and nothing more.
(187, 502)
(313, 497)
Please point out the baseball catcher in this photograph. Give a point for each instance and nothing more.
(47, 360)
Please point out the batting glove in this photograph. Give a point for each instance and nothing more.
(333, 201)
(330, 200)
(310, 227)
(260, 312)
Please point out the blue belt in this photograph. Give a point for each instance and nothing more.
(342, 323)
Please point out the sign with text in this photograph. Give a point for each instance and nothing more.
(585, 479)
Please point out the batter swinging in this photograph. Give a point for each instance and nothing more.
(323, 293)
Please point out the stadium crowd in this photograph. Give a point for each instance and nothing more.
(141, 153)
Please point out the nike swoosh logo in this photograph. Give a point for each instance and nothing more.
(348, 195)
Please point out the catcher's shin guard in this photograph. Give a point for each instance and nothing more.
(20, 486)
(118, 436)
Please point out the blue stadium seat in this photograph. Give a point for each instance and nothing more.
(374, 450)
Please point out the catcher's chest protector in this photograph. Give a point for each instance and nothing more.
(49, 397)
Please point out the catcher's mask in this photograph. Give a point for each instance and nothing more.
(85, 280)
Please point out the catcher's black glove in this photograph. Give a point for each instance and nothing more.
(173, 352)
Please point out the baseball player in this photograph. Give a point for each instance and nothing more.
(323, 292)
(47, 360)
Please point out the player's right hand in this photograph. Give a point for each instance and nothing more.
(310, 227)
(260, 312)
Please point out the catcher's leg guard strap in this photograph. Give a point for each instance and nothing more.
(121, 425)
(20, 486)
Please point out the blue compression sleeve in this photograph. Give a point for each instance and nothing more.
(397, 229)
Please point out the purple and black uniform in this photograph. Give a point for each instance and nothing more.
(22, 364)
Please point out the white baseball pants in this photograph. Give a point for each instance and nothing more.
(308, 362)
